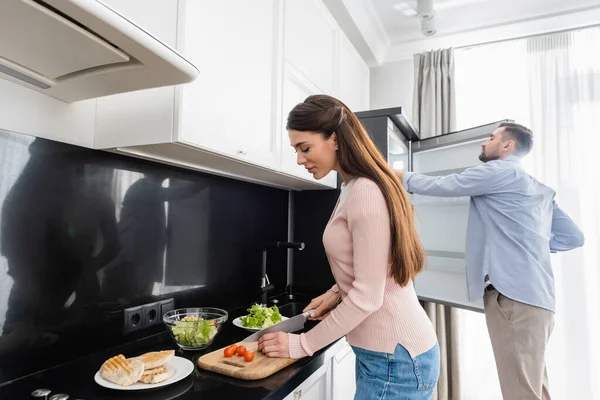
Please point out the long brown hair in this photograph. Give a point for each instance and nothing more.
(359, 157)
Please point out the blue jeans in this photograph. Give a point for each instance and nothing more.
(398, 376)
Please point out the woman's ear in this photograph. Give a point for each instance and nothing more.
(334, 139)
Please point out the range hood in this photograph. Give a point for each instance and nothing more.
(81, 49)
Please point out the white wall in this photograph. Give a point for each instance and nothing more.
(516, 30)
(392, 85)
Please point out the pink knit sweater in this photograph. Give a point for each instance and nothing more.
(375, 313)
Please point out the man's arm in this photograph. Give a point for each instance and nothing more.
(476, 181)
(565, 234)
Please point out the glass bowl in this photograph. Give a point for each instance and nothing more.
(194, 328)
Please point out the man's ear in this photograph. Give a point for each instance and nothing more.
(510, 145)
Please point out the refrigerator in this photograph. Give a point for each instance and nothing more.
(441, 222)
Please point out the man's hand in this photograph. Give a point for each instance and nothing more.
(400, 175)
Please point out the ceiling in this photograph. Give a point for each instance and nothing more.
(401, 25)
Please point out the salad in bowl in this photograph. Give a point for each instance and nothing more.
(259, 317)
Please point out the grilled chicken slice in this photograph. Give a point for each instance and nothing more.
(122, 371)
(156, 359)
(156, 375)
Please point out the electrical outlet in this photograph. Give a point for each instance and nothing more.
(146, 315)
(166, 306)
(151, 314)
(133, 319)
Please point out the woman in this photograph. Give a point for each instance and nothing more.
(374, 253)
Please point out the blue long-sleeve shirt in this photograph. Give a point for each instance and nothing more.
(514, 224)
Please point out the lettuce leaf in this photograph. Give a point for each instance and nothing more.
(261, 317)
(194, 333)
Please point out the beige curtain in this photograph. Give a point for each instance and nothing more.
(434, 114)
(445, 322)
(433, 99)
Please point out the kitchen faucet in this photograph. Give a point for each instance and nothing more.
(265, 285)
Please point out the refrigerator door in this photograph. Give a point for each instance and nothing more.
(441, 221)
(398, 148)
(391, 132)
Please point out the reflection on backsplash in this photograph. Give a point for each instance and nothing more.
(85, 234)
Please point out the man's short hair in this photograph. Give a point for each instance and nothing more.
(522, 136)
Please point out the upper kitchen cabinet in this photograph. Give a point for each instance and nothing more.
(311, 42)
(256, 60)
(311, 58)
(296, 88)
(353, 77)
(230, 107)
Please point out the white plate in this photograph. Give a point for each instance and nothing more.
(180, 366)
(238, 322)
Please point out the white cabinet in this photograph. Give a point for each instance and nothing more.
(313, 388)
(311, 37)
(231, 105)
(353, 77)
(256, 60)
(335, 380)
(296, 88)
(343, 376)
(310, 67)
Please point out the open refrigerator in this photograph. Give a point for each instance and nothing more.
(441, 222)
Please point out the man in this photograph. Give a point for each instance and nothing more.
(514, 225)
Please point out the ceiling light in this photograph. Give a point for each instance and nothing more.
(425, 9)
(428, 27)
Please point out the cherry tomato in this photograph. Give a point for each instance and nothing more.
(248, 356)
(234, 347)
(229, 352)
(241, 350)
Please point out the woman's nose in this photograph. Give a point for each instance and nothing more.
(300, 159)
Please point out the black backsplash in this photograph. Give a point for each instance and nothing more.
(85, 234)
(312, 210)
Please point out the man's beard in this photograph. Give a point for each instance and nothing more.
(485, 158)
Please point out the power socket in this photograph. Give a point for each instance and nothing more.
(146, 315)
(151, 314)
(133, 319)
(166, 306)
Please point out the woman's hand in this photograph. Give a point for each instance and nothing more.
(274, 345)
(322, 305)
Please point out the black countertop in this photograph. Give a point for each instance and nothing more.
(77, 378)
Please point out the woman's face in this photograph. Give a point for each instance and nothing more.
(316, 154)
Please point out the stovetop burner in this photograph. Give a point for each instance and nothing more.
(46, 394)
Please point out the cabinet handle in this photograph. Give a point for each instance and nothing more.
(297, 394)
(242, 152)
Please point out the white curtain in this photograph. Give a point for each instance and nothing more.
(564, 71)
(551, 84)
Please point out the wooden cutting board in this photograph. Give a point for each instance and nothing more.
(259, 368)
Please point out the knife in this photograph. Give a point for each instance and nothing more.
(289, 325)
